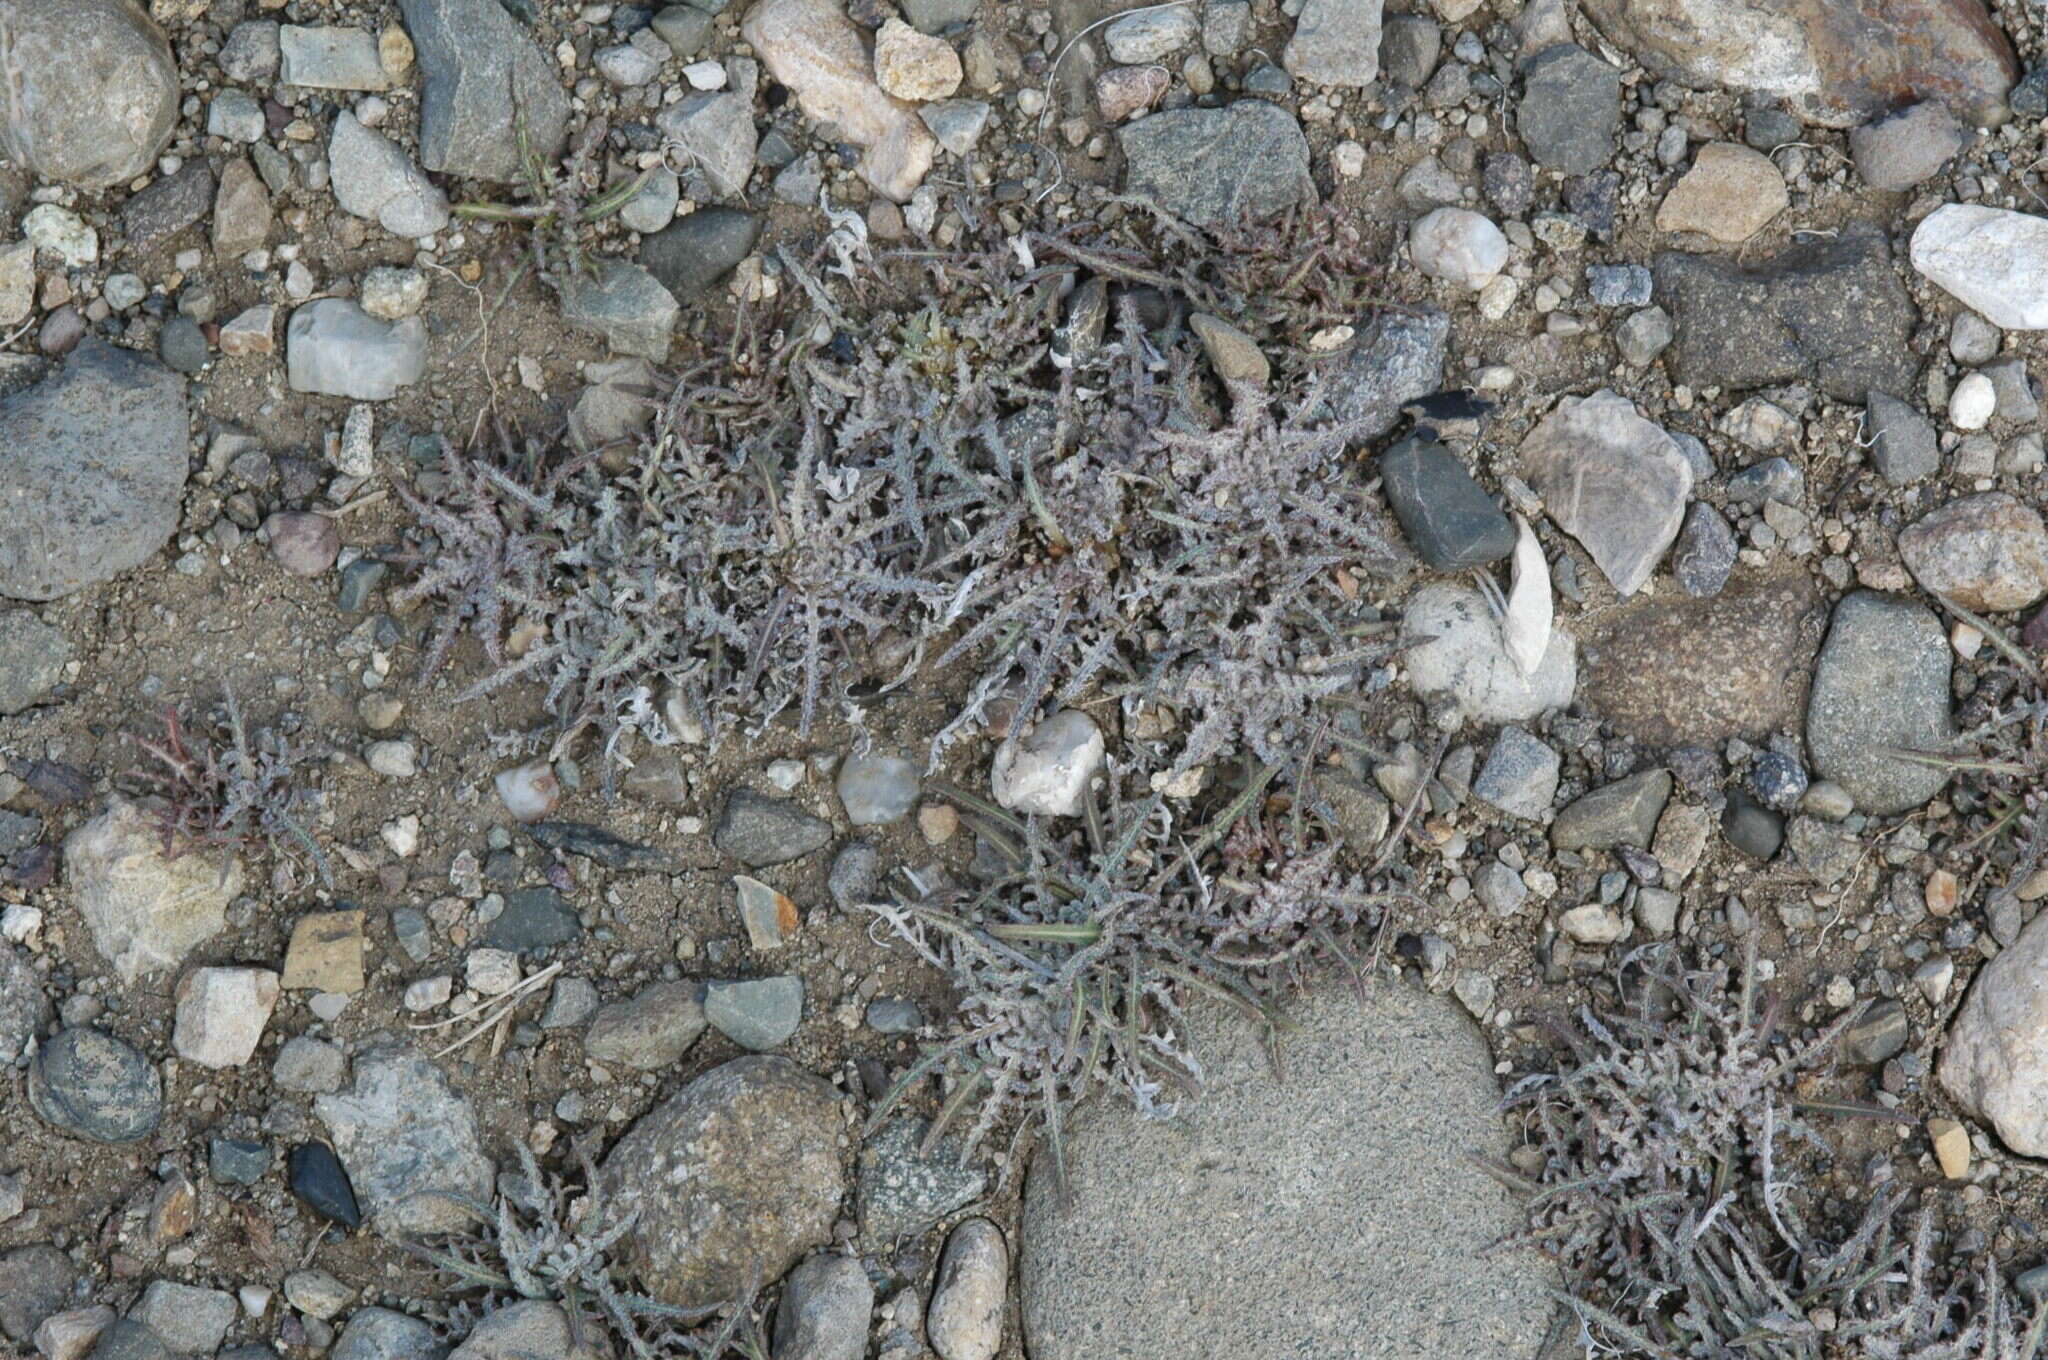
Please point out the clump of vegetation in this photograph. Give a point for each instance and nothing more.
(215, 783)
(1075, 959)
(563, 204)
(546, 1240)
(1665, 1197)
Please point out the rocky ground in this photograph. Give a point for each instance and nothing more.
(665, 673)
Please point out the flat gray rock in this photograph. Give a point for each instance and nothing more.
(1213, 167)
(1881, 685)
(1611, 479)
(1335, 1214)
(23, 1007)
(485, 79)
(404, 1134)
(32, 657)
(1397, 358)
(1831, 310)
(95, 465)
(336, 349)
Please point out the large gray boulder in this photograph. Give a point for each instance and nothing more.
(1336, 1213)
(486, 80)
(88, 89)
(1881, 687)
(735, 1177)
(92, 466)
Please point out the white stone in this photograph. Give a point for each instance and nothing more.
(1047, 772)
(1459, 246)
(1151, 35)
(1991, 259)
(491, 972)
(1971, 404)
(965, 1321)
(221, 1014)
(1593, 924)
(529, 792)
(705, 75)
(393, 759)
(63, 233)
(146, 912)
(401, 835)
(21, 924)
(427, 993)
(393, 294)
(1995, 1065)
(1466, 659)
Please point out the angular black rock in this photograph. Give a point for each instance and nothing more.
(318, 1179)
(594, 842)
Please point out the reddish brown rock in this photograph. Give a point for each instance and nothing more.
(1694, 672)
(1841, 62)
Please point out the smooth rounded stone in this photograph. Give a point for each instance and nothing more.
(303, 543)
(145, 911)
(811, 47)
(88, 90)
(530, 791)
(334, 348)
(127, 1339)
(1705, 552)
(33, 656)
(485, 83)
(374, 180)
(221, 1013)
(856, 875)
(694, 254)
(1903, 444)
(35, 1284)
(237, 1161)
(1675, 671)
(1612, 480)
(1988, 553)
(1902, 149)
(1881, 683)
(1995, 1062)
(23, 1007)
(2018, 396)
(877, 790)
(1398, 358)
(760, 831)
(1570, 109)
(1046, 773)
(122, 416)
(526, 1329)
(758, 1014)
(623, 65)
(1973, 340)
(1449, 520)
(1840, 62)
(1458, 246)
(1992, 260)
(94, 1086)
(191, 1321)
(404, 1133)
(318, 1178)
(1750, 827)
(734, 1177)
(384, 1334)
(236, 117)
(1467, 661)
(1971, 404)
(1829, 310)
(1211, 167)
(654, 207)
(1520, 775)
(1731, 193)
(1169, 1245)
(1622, 813)
(1335, 42)
(182, 345)
(826, 1304)
(965, 1320)
(1779, 780)
(650, 1031)
(902, 1191)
